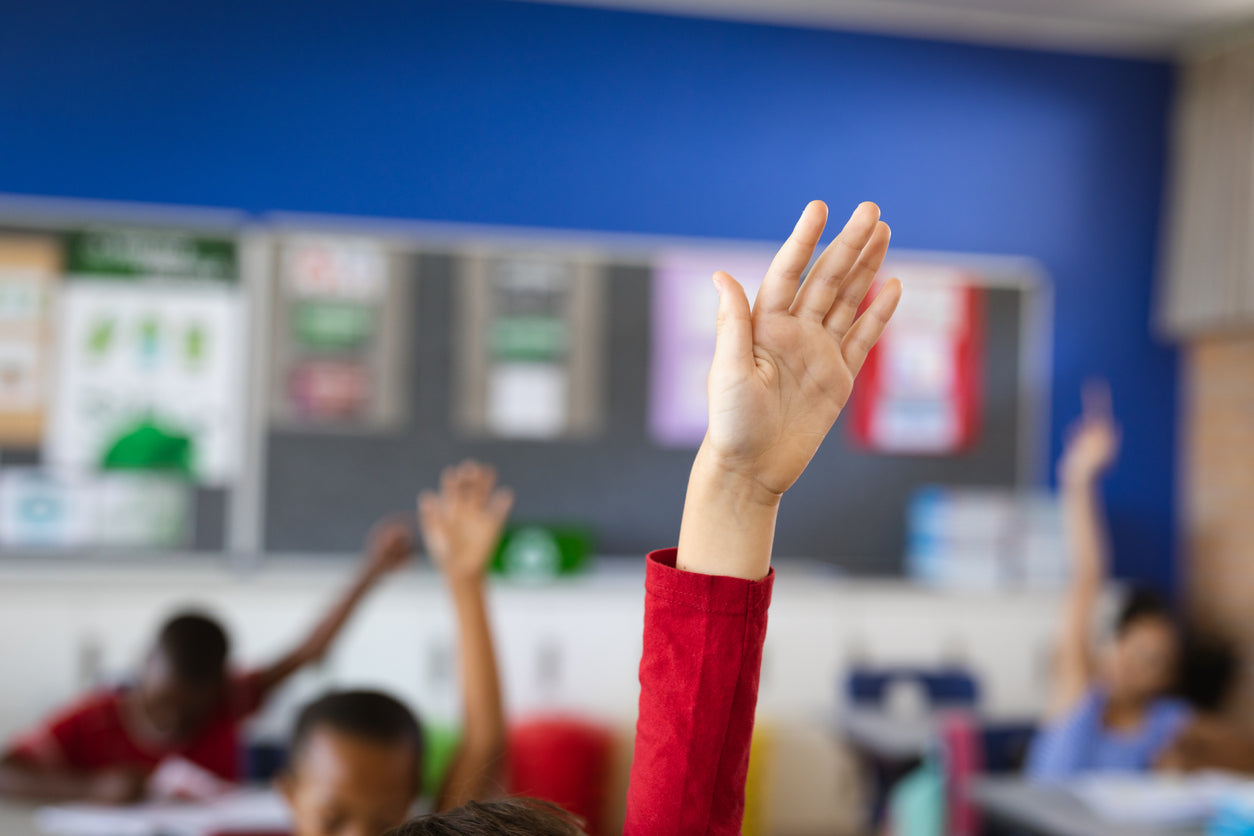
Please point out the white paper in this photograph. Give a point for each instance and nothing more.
(125, 355)
(253, 810)
(528, 400)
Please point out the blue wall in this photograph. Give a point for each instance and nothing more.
(518, 113)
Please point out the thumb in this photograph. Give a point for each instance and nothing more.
(733, 352)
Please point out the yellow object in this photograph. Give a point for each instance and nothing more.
(757, 783)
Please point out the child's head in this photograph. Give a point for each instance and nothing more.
(355, 765)
(182, 679)
(1142, 662)
(507, 817)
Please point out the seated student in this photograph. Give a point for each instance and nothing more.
(781, 374)
(184, 703)
(1115, 712)
(357, 757)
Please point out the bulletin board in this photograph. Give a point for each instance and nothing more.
(322, 492)
(312, 481)
(155, 294)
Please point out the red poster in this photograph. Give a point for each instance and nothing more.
(921, 389)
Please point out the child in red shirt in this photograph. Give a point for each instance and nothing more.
(183, 704)
(782, 372)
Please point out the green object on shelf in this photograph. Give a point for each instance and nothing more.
(541, 552)
(149, 446)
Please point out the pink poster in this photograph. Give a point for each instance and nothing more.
(685, 314)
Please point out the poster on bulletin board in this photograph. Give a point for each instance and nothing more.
(29, 274)
(42, 508)
(338, 350)
(530, 356)
(150, 355)
(685, 319)
(921, 389)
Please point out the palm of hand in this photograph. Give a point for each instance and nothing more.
(1092, 450)
(463, 539)
(783, 371)
(1093, 443)
(391, 545)
(775, 418)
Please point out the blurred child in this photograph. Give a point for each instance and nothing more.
(357, 757)
(184, 703)
(781, 374)
(1112, 710)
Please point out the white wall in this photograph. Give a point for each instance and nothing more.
(573, 645)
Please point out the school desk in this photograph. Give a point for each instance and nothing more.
(1052, 811)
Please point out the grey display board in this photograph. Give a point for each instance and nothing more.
(323, 491)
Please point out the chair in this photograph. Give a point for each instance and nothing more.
(563, 760)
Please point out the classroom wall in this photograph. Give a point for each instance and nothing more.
(1219, 473)
(515, 113)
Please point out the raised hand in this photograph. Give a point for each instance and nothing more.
(462, 524)
(783, 371)
(390, 546)
(1093, 441)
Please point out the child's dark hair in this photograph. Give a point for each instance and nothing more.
(195, 646)
(370, 715)
(1208, 671)
(1140, 605)
(507, 817)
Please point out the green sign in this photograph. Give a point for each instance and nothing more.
(120, 252)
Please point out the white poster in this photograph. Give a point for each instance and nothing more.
(149, 362)
(47, 509)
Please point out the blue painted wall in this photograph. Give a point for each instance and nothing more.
(517, 113)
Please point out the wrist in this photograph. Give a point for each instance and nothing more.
(1080, 481)
(725, 482)
(729, 522)
(464, 582)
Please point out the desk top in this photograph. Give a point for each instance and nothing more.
(17, 819)
(1053, 811)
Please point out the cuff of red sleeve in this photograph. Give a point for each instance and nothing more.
(709, 593)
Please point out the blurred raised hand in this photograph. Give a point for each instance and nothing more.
(1092, 441)
(462, 524)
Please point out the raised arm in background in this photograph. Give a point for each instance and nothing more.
(461, 526)
(389, 546)
(1091, 448)
(781, 374)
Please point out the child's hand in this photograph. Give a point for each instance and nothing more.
(781, 375)
(462, 524)
(390, 547)
(1093, 441)
(783, 372)
(117, 785)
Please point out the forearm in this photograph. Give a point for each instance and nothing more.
(475, 770)
(33, 783)
(318, 641)
(728, 524)
(1086, 540)
(699, 674)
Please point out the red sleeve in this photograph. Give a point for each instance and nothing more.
(245, 694)
(51, 744)
(699, 675)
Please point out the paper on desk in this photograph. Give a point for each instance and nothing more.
(1157, 800)
(251, 810)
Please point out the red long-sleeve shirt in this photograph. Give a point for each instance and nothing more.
(703, 639)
